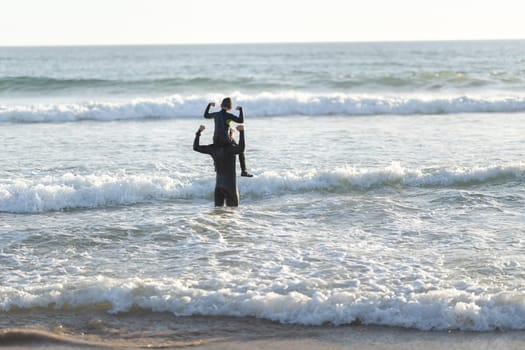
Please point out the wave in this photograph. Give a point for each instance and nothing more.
(49, 85)
(435, 309)
(297, 79)
(427, 81)
(260, 105)
(70, 191)
(45, 84)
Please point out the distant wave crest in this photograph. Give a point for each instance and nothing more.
(260, 105)
(71, 191)
(303, 80)
(49, 85)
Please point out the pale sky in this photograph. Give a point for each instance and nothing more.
(105, 22)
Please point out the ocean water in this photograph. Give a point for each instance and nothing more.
(388, 189)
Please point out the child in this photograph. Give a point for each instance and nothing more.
(222, 125)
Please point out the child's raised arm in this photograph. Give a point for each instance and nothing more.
(207, 114)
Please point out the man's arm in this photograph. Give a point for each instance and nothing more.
(196, 142)
(240, 148)
(207, 113)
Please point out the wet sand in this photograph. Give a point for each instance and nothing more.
(98, 329)
(359, 339)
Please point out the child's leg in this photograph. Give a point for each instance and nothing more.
(242, 160)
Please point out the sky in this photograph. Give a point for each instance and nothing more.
(107, 22)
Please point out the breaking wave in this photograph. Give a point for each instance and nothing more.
(70, 191)
(438, 308)
(260, 105)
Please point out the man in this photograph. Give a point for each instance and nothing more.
(224, 159)
(222, 126)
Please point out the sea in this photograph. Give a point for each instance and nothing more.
(388, 188)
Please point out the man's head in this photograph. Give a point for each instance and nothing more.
(226, 104)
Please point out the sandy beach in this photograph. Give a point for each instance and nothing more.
(359, 338)
(98, 329)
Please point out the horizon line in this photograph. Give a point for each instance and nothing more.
(265, 43)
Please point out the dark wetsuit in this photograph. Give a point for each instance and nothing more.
(242, 159)
(224, 160)
(221, 135)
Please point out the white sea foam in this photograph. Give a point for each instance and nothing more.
(91, 191)
(447, 308)
(261, 105)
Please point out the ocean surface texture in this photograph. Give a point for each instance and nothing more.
(388, 189)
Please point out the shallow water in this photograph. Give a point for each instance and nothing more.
(411, 221)
(388, 189)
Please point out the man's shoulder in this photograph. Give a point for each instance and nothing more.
(227, 148)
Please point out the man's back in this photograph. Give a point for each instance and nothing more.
(224, 157)
(225, 162)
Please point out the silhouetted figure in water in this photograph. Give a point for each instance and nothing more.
(224, 159)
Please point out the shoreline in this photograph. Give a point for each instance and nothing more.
(97, 329)
(336, 338)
